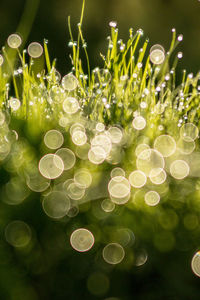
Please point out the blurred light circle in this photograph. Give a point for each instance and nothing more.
(165, 144)
(137, 179)
(149, 159)
(18, 234)
(83, 178)
(14, 41)
(100, 127)
(113, 253)
(35, 50)
(119, 187)
(51, 166)
(79, 138)
(69, 82)
(82, 240)
(185, 147)
(189, 132)
(16, 191)
(157, 176)
(140, 148)
(53, 139)
(195, 264)
(117, 172)
(115, 135)
(97, 155)
(139, 123)
(70, 105)
(152, 198)
(157, 54)
(68, 157)
(37, 183)
(141, 258)
(75, 191)
(76, 127)
(107, 205)
(56, 204)
(179, 169)
(103, 141)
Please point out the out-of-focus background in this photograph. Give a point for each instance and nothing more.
(155, 17)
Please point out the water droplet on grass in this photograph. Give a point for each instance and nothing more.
(82, 240)
(35, 50)
(14, 41)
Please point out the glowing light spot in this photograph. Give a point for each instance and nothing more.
(97, 155)
(152, 198)
(113, 253)
(14, 41)
(179, 169)
(195, 264)
(115, 135)
(79, 138)
(149, 159)
(35, 50)
(140, 148)
(100, 127)
(70, 105)
(139, 123)
(56, 204)
(1, 60)
(117, 172)
(69, 82)
(53, 139)
(113, 24)
(189, 132)
(157, 54)
(51, 166)
(185, 147)
(107, 205)
(18, 234)
(75, 191)
(180, 37)
(157, 176)
(180, 55)
(165, 144)
(82, 240)
(83, 178)
(137, 179)
(119, 189)
(14, 104)
(67, 156)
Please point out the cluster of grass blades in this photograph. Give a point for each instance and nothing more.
(110, 157)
